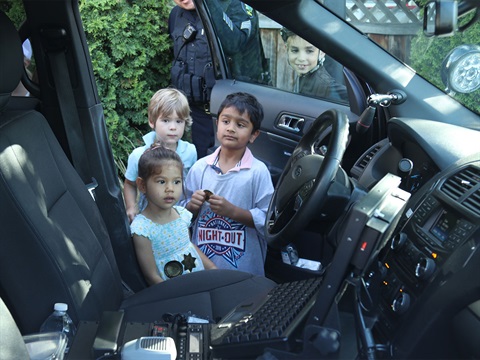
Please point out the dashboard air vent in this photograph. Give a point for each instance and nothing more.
(473, 202)
(464, 187)
(363, 162)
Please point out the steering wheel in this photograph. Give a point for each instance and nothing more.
(302, 190)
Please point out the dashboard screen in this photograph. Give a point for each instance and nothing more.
(444, 225)
(194, 343)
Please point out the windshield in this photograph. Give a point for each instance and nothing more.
(397, 26)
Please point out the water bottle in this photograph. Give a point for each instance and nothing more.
(60, 321)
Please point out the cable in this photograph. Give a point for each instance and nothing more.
(109, 356)
(367, 342)
(369, 297)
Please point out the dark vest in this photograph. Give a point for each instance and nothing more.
(192, 70)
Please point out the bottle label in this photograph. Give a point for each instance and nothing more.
(285, 257)
(290, 255)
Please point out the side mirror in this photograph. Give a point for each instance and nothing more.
(461, 69)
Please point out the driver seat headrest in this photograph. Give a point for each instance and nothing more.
(11, 59)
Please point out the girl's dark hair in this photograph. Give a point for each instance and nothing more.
(153, 158)
(244, 102)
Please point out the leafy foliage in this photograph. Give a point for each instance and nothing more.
(14, 10)
(131, 56)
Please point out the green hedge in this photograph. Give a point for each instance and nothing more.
(131, 56)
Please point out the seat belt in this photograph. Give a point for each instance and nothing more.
(55, 44)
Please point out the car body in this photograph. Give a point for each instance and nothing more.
(416, 292)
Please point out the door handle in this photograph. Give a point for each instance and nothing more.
(291, 123)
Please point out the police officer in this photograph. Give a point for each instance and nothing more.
(192, 70)
(237, 28)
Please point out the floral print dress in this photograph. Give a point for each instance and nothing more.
(174, 253)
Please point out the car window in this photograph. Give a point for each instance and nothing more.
(29, 63)
(451, 63)
(259, 50)
(16, 12)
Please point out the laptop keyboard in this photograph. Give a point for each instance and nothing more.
(264, 322)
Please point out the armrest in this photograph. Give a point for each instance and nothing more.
(106, 338)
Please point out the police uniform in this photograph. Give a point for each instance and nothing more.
(192, 72)
(237, 28)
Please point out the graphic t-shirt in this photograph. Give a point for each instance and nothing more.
(228, 243)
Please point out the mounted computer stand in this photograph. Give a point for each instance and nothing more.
(367, 227)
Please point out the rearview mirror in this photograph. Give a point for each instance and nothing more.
(440, 18)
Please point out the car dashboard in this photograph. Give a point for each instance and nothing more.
(426, 272)
(423, 289)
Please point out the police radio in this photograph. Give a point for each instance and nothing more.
(191, 335)
(189, 33)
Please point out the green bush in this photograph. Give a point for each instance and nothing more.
(131, 56)
(14, 10)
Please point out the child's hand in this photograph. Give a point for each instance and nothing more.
(221, 206)
(197, 200)
(131, 213)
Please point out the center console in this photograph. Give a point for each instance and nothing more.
(424, 270)
(427, 274)
(174, 337)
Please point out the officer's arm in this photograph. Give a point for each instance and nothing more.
(233, 29)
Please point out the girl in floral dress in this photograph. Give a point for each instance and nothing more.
(161, 232)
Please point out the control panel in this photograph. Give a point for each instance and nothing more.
(191, 339)
(439, 227)
(416, 256)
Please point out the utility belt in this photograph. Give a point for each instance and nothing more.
(197, 88)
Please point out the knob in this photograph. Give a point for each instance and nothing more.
(398, 241)
(425, 268)
(405, 167)
(401, 303)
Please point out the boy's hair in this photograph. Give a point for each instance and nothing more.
(285, 34)
(167, 101)
(152, 159)
(244, 102)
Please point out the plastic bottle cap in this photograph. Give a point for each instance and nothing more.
(60, 307)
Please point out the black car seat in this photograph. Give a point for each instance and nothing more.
(53, 243)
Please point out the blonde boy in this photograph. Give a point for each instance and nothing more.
(168, 116)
